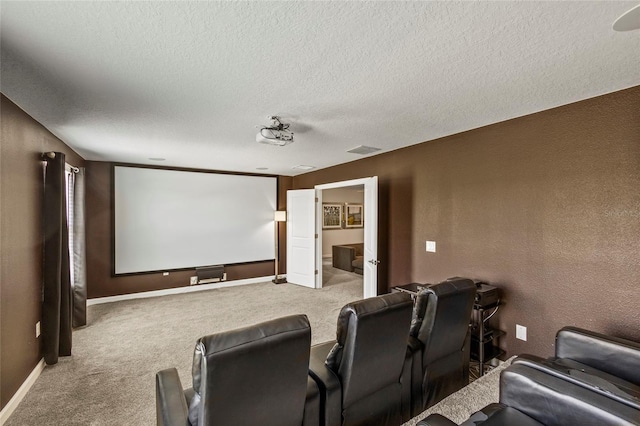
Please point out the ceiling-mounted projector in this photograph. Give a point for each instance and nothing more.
(276, 134)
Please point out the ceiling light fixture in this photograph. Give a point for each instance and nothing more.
(277, 134)
(628, 21)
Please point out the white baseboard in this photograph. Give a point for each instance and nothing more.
(22, 391)
(178, 290)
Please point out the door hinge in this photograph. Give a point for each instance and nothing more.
(316, 272)
(317, 199)
(316, 236)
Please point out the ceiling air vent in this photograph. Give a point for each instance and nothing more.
(363, 150)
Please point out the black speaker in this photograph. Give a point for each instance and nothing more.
(486, 295)
(210, 274)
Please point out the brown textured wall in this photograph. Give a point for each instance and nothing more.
(23, 140)
(101, 283)
(546, 206)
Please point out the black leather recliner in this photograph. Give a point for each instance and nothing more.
(439, 342)
(359, 375)
(531, 397)
(253, 375)
(605, 364)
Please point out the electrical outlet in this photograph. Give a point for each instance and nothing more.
(521, 332)
(431, 246)
(193, 281)
(37, 329)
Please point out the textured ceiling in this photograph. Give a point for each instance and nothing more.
(190, 81)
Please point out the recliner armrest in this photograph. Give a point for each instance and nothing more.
(406, 384)
(527, 359)
(493, 414)
(328, 384)
(414, 353)
(312, 404)
(171, 404)
(551, 400)
(466, 350)
(585, 376)
(436, 420)
(613, 355)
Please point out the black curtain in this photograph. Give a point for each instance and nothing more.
(78, 255)
(56, 301)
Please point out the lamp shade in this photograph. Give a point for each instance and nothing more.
(280, 216)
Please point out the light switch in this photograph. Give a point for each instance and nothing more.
(521, 332)
(431, 246)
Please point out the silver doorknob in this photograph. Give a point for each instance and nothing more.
(374, 262)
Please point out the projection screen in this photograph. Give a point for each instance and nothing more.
(168, 219)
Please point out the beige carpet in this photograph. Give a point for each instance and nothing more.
(460, 405)
(110, 379)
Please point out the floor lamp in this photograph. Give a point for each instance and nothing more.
(279, 216)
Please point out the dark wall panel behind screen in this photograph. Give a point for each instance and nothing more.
(170, 219)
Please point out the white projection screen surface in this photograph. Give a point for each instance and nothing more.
(169, 219)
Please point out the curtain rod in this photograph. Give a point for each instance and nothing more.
(52, 155)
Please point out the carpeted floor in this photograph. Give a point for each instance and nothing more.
(110, 379)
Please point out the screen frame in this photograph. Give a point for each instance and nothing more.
(112, 209)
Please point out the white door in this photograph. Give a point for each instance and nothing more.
(301, 230)
(371, 237)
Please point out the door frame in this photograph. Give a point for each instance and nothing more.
(371, 287)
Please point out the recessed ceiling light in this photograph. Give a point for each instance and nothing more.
(157, 158)
(363, 150)
(303, 167)
(262, 168)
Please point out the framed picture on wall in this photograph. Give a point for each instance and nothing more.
(331, 216)
(354, 217)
